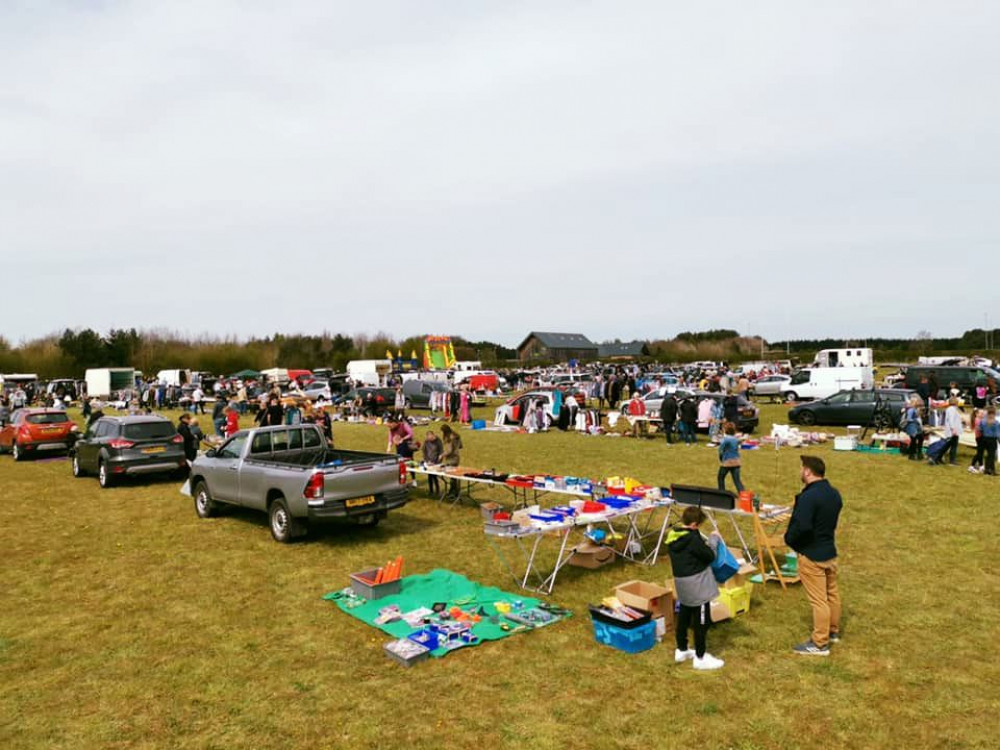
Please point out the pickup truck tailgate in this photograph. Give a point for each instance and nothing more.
(360, 488)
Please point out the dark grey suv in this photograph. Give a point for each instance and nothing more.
(116, 447)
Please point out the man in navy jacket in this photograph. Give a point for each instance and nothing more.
(811, 534)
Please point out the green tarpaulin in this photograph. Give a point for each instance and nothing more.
(438, 586)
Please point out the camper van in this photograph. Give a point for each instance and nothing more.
(820, 382)
(104, 382)
(843, 358)
(371, 372)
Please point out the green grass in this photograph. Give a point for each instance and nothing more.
(127, 622)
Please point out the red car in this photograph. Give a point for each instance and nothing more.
(34, 431)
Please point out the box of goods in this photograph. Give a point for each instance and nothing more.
(498, 527)
(736, 600)
(363, 584)
(742, 576)
(489, 510)
(479, 424)
(406, 652)
(845, 443)
(591, 556)
(630, 640)
(650, 597)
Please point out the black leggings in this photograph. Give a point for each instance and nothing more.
(916, 446)
(698, 618)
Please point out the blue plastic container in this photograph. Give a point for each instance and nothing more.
(479, 424)
(629, 640)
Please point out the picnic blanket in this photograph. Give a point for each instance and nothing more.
(438, 586)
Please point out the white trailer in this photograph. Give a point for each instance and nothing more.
(174, 377)
(104, 382)
(843, 358)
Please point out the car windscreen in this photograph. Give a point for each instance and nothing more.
(148, 430)
(46, 418)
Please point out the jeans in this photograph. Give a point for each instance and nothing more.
(990, 466)
(698, 618)
(668, 429)
(819, 579)
(687, 431)
(735, 471)
(220, 426)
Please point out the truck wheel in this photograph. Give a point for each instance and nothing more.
(284, 527)
(204, 505)
(77, 469)
(17, 451)
(104, 475)
(791, 396)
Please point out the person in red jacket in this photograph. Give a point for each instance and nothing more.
(637, 411)
(232, 421)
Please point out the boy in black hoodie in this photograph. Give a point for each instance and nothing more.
(691, 558)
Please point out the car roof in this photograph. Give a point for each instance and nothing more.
(41, 410)
(136, 419)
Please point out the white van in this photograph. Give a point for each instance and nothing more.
(820, 382)
(369, 371)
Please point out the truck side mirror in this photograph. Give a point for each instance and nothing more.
(210, 453)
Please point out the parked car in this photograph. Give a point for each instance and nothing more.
(654, 399)
(855, 407)
(770, 386)
(297, 479)
(418, 392)
(966, 378)
(512, 412)
(318, 389)
(34, 431)
(375, 400)
(117, 447)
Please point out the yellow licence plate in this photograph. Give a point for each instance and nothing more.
(153, 450)
(355, 502)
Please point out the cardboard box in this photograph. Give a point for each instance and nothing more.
(649, 597)
(720, 611)
(742, 576)
(591, 556)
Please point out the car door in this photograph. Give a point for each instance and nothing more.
(225, 478)
(8, 432)
(104, 430)
(833, 409)
(861, 408)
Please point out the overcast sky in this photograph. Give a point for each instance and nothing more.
(619, 169)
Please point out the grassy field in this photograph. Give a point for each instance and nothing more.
(127, 622)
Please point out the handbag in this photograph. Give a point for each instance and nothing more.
(724, 566)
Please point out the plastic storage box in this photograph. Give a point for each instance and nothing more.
(629, 640)
(372, 591)
(737, 599)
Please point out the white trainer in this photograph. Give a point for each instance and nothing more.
(682, 656)
(708, 662)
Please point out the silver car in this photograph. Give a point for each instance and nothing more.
(770, 386)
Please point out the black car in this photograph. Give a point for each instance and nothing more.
(116, 447)
(373, 400)
(747, 414)
(880, 407)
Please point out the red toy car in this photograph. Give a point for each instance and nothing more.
(34, 431)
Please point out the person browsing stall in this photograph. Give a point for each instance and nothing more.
(401, 439)
(432, 457)
(729, 457)
(691, 558)
(451, 455)
(811, 533)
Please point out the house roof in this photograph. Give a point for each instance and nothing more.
(560, 340)
(626, 349)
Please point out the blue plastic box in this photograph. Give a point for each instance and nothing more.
(479, 424)
(629, 640)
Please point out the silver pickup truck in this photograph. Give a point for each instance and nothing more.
(297, 479)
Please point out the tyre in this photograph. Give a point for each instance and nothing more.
(17, 451)
(284, 527)
(204, 505)
(807, 418)
(104, 475)
(77, 469)
(791, 396)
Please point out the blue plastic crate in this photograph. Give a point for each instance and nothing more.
(629, 640)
